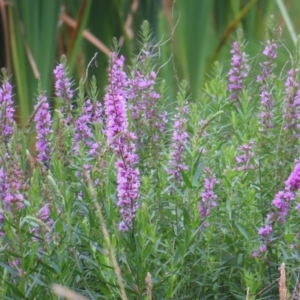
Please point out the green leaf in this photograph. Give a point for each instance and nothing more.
(186, 179)
(197, 174)
(242, 231)
(15, 290)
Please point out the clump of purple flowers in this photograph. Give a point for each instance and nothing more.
(180, 137)
(239, 70)
(265, 79)
(208, 196)
(6, 111)
(243, 160)
(43, 128)
(121, 140)
(292, 103)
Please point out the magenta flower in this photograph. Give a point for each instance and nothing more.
(121, 141)
(43, 128)
(115, 102)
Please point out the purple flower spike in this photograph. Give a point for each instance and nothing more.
(11, 185)
(208, 197)
(180, 138)
(266, 96)
(6, 111)
(143, 99)
(244, 159)
(115, 102)
(121, 141)
(43, 128)
(239, 70)
(91, 114)
(62, 83)
(292, 103)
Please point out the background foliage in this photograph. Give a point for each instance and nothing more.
(194, 33)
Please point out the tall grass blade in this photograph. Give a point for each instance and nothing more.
(287, 20)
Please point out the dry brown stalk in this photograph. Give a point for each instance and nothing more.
(149, 286)
(87, 35)
(66, 293)
(282, 283)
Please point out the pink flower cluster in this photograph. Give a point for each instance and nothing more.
(282, 204)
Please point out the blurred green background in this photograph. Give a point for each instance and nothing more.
(192, 33)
